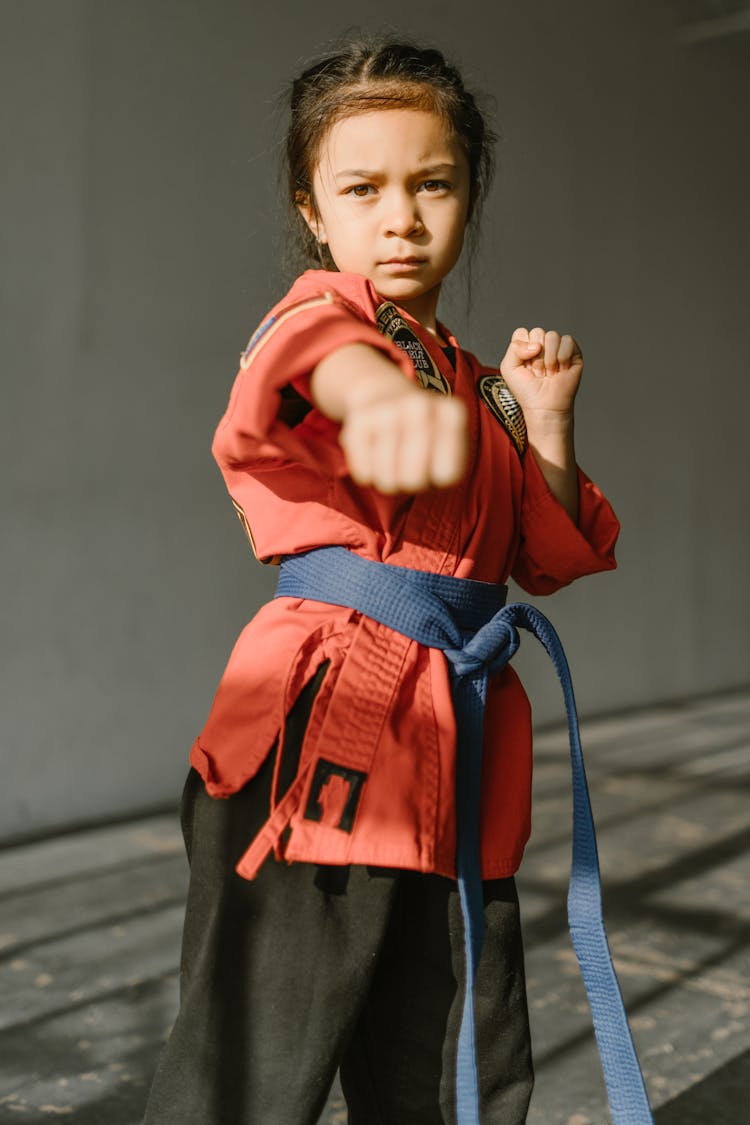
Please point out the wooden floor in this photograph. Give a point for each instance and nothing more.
(90, 929)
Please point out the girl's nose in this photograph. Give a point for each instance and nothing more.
(403, 218)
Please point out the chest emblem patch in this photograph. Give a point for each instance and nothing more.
(392, 325)
(496, 395)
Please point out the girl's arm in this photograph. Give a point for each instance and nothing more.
(543, 371)
(394, 435)
(551, 442)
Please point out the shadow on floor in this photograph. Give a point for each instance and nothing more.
(719, 1099)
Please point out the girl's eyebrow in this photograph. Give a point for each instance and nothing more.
(371, 174)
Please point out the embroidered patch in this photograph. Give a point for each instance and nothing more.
(334, 795)
(496, 395)
(392, 325)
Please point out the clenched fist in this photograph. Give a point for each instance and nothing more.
(542, 370)
(396, 436)
(406, 443)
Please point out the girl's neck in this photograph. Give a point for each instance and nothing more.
(427, 318)
(423, 309)
(438, 335)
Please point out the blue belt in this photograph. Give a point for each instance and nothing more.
(470, 622)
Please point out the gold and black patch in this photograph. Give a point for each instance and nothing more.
(496, 394)
(392, 325)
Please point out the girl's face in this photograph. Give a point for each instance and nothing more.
(393, 184)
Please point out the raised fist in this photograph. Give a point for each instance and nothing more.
(542, 370)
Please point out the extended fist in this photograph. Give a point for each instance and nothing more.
(407, 442)
(396, 436)
(542, 370)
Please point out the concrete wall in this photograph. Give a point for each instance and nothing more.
(137, 254)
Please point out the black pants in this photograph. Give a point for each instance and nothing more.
(307, 968)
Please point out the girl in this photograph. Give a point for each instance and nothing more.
(357, 420)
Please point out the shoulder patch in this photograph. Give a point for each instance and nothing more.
(496, 395)
(254, 339)
(392, 325)
(273, 322)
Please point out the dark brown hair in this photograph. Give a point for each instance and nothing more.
(369, 73)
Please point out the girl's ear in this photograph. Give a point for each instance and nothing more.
(307, 210)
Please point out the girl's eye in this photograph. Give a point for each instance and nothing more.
(361, 191)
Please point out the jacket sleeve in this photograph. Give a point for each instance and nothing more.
(282, 353)
(554, 550)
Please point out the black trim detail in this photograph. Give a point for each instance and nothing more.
(325, 770)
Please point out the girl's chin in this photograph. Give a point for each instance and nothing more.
(401, 285)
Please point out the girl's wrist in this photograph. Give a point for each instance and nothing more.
(354, 376)
(544, 424)
(371, 388)
(552, 440)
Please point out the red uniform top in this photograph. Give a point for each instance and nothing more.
(385, 696)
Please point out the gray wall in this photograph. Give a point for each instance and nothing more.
(138, 204)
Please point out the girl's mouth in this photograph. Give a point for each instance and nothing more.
(398, 266)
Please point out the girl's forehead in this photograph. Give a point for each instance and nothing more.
(377, 135)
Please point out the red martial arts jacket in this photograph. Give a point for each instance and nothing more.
(383, 694)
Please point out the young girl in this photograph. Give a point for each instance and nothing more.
(357, 420)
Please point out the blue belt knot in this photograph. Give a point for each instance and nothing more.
(490, 648)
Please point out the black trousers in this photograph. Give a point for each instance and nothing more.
(307, 969)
